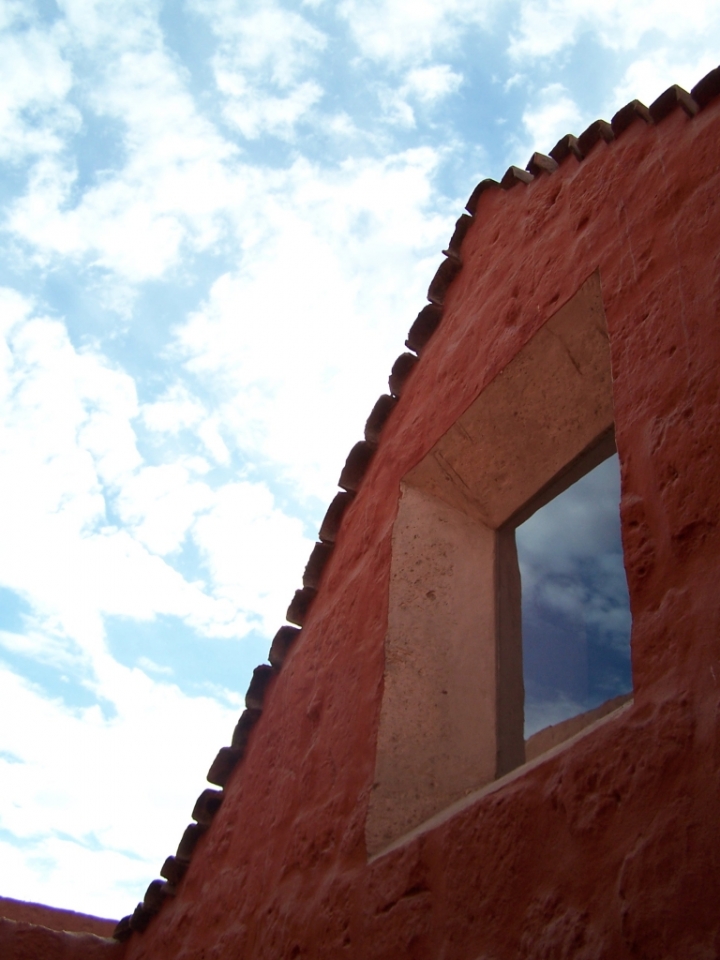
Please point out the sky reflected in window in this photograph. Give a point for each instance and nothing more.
(575, 606)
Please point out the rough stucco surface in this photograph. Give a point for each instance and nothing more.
(55, 919)
(20, 940)
(608, 848)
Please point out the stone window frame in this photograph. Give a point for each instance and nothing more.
(452, 713)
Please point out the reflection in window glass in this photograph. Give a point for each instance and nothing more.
(575, 609)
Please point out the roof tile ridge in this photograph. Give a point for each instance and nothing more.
(669, 100)
(707, 89)
(702, 94)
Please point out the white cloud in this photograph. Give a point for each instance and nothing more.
(159, 503)
(177, 184)
(134, 223)
(79, 844)
(67, 451)
(271, 40)
(14, 13)
(210, 436)
(395, 106)
(277, 337)
(650, 54)
(548, 26)
(35, 80)
(44, 648)
(119, 26)
(254, 112)
(171, 185)
(262, 66)
(255, 553)
(65, 419)
(647, 77)
(402, 31)
(550, 115)
(430, 84)
(176, 410)
(149, 666)
(571, 562)
(427, 86)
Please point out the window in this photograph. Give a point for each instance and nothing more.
(575, 609)
(452, 715)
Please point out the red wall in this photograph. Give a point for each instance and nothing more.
(23, 940)
(33, 931)
(41, 915)
(610, 847)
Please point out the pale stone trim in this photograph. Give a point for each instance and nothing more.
(451, 718)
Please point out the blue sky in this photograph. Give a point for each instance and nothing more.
(219, 220)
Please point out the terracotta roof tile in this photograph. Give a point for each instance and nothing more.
(241, 733)
(513, 176)
(357, 462)
(259, 683)
(627, 115)
(424, 326)
(597, 131)
(299, 606)
(221, 768)
(207, 805)
(320, 555)
(401, 370)
(487, 184)
(174, 870)
(384, 406)
(461, 228)
(566, 146)
(189, 840)
(123, 930)
(156, 894)
(280, 647)
(444, 276)
(141, 918)
(539, 163)
(670, 100)
(333, 517)
(707, 89)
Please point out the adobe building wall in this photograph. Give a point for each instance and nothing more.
(33, 931)
(27, 941)
(607, 845)
(55, 919)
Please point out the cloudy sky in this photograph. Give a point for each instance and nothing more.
(575, 606)
(219, 219)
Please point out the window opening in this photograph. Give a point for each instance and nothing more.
(452, 712)
(575, 605)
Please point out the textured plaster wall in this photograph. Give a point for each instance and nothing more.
(609, 847)
(33, 931)
(26, 941)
